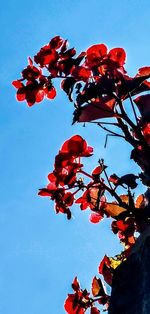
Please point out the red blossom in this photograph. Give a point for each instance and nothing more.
(76, 146)
(56, 42)
(146, 132)
(144, 71)
(35, 90)
(92, 198)
(46, 56)
(96, 218)
(125, 230)
(81, 73)
(31, 73)
(95, 54)
(117, 55)
(78, 302)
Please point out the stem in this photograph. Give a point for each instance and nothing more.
(107, 178)
(117, 197)
(85, 173)
(76, 191)
(132, 125)
(101, 122)
(128, 137)
(131, 101)
(110, 131)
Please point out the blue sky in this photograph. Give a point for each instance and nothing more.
(41, 252)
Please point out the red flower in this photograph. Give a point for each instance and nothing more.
(56, 42)
(81, 73)
(76, 146)
(32, 93)
(91, 199)
(46, 56)
(63, 200)
(125, 230)
(96, 218)
(78, 302)
(34, 90)
(66, 175)
(31, 73)
(146, 132)
(107, 62)
(95, 54)
(117, 55)
(72, 305)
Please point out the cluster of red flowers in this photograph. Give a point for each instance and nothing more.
(98, 75)
(97, 82)
(80, 300)
(37, 85)
(64, 177)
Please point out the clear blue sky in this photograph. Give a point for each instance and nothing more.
(41, 252)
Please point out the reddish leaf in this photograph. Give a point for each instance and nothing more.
(97, 287)
(113, 209)
(140, 203)
(67, 85)
(97, 171)
(114, 179)
(103, 108)
(105, 270)
(44, 192)
(30, 61)
(75, 284)
(143, 104)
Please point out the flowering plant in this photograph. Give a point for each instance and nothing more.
(98, 85)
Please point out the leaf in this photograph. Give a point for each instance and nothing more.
(75, 284)
(67, 85)
(97, 287)
(113, 209)
(97, 171)
(101, 108)
(129, 180)
(114, 179)
(139, 203)
(105, 270)
(114, 263)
